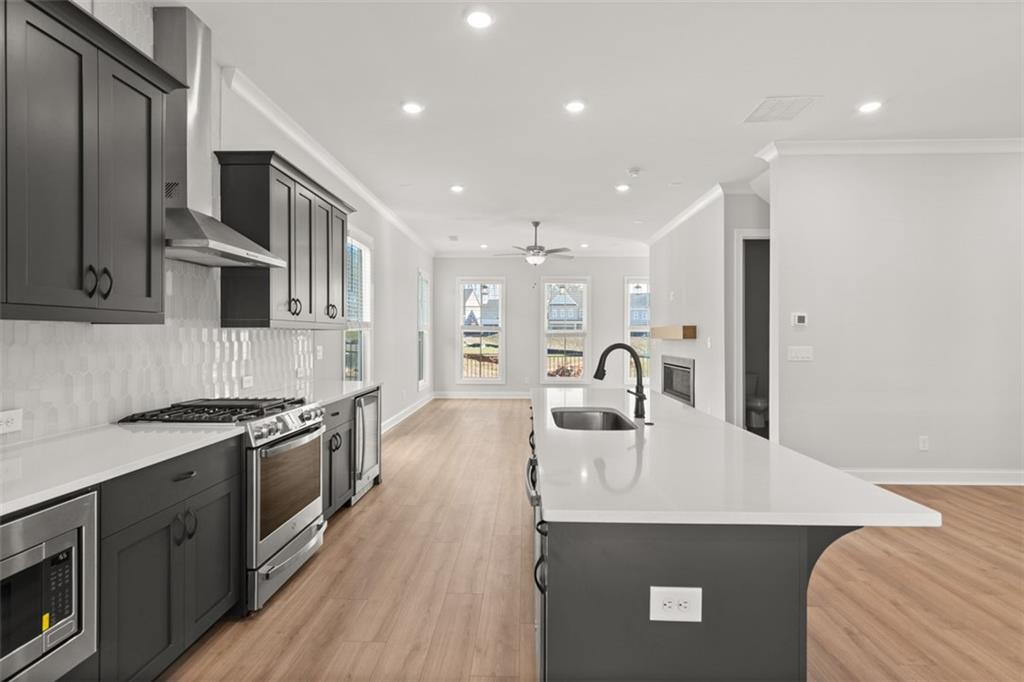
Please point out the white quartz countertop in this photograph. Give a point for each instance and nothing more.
(692, 468)
(37, 471)
(326, 391)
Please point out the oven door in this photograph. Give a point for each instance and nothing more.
(284, 492)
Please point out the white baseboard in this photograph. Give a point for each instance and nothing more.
(941, 476)
(397, 419)
(482, 395)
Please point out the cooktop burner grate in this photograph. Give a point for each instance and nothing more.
(219, 410)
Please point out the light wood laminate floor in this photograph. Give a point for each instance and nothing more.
(429, 578)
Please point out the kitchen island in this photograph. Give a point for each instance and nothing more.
(684, 501)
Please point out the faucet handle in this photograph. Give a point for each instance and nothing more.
(638, 394)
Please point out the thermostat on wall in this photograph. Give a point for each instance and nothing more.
(799, 319)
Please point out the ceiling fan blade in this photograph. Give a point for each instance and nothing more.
(558, 250)
(520, 248)
(563, 256)
(507, 255)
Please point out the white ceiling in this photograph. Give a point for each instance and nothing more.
(667, 86)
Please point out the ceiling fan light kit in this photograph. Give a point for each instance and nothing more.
(536, 254)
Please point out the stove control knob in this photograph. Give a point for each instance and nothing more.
(306, 416)
(259, 432)
(273, 429)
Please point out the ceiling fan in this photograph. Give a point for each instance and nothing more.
(536, 254)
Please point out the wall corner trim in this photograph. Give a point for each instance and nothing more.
(768, 153)
(245, 88)
(693, 209)
(1002, 145)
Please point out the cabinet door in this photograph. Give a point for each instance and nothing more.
(336, 263)
(141, 597)
(337, 478)
(321, 260)
(131, 215)
(51, 249)
(282, 225)
(300, 261)
(212, 555)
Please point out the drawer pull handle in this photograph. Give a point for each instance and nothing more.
(185, 476)
(176, 521)
(191, 533)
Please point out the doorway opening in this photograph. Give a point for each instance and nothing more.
(756, 316)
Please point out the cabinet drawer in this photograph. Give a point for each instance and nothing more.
(338, 412)
(135, 496)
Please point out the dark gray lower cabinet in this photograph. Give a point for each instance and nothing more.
(142, 587)
(168, 574)
(338, 482)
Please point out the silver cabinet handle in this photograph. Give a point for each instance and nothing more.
(292, 443)
(360, 438)
(531, 489)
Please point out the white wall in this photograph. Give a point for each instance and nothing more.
(688, 287)
(909, 267)
(523, 301)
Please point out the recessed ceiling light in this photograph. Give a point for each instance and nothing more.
(457, 189)
(622, 188)
(413, 108)
(584, 246)
(869, 107)
(483, 246)
(479, 19)
(638, 222)
(575, 106)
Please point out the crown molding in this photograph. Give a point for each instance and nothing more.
(1007, 145)
(241, 85)
(702, 202)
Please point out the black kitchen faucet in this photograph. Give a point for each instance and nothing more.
(599, 373)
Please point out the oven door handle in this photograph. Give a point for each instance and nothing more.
(22, 560)
(292, 443)
(313, 543)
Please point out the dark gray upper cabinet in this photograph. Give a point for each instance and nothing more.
(272, 202)
(83, 170)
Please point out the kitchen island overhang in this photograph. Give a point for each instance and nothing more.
(691, 502)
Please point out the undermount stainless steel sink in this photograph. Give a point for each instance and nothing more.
(590, 419)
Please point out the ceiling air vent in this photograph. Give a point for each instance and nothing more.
(779, 109)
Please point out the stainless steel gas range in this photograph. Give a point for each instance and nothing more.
(284, 508)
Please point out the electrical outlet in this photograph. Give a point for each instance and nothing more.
(681, 604)
(709, 342)
(319, 352)
(923, 444)
(10, 421)
(247, 381)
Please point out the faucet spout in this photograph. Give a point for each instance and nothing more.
(600, 372)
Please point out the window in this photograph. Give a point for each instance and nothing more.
(481, 329)
(422, 330)
(638, 325)
(565, 329)
(358, 304)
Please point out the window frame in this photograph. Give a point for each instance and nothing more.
(585, 332)
(364, 242)
(628, 281)
(423, 327)
(502, 330)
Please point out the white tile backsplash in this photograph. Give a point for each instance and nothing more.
(69, 375)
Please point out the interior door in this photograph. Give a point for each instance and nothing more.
(321, 260)
(301, 261)
(131, 212)
(52, 133)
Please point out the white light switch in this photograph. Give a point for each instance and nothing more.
(676, 604)
(319, 352)
(800, 353)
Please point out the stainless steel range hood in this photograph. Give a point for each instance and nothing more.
(181, 44)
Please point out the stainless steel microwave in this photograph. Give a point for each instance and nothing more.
(677, 378)
(48, 590)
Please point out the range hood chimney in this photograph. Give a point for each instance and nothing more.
(181, 45)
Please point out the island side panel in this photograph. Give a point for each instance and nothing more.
(754, 581)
